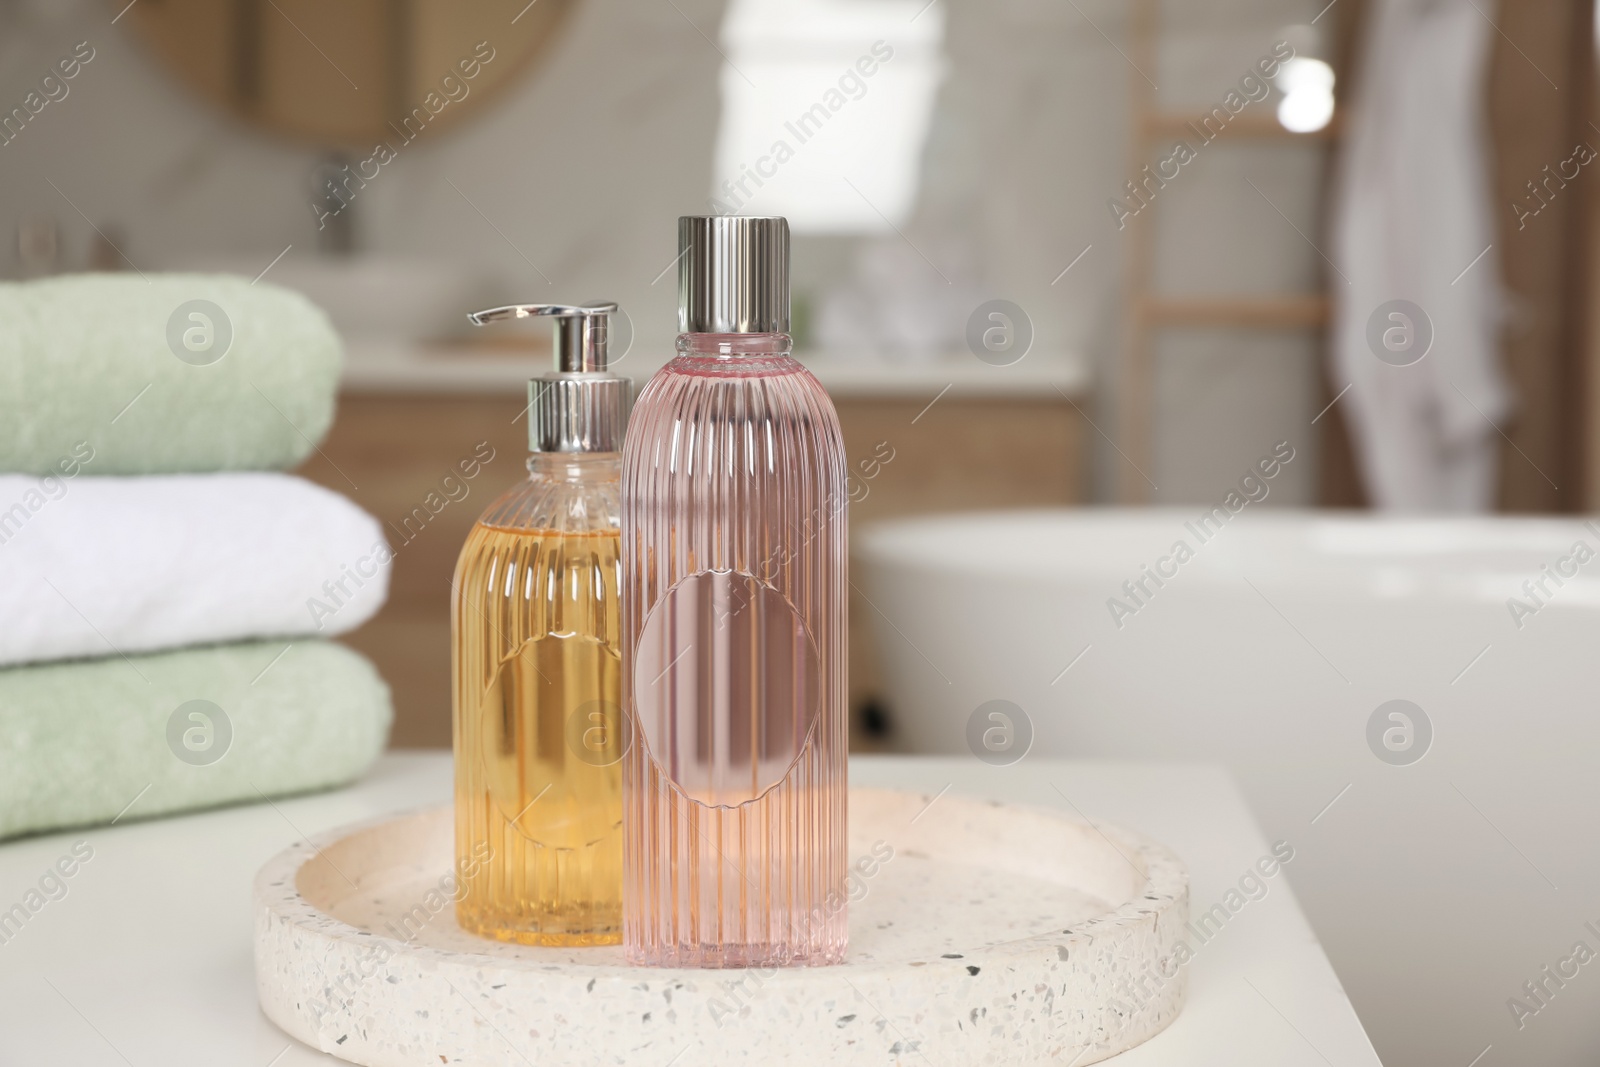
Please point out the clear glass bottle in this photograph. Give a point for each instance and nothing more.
(537, 666)
(734, 597)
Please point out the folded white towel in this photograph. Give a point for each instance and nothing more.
(106, 566)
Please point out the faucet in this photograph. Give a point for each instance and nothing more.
(334, 187)
(39, 245)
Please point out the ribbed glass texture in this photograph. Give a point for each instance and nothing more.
(734, 596)
(538, 739)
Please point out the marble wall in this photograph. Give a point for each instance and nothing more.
(579, 171)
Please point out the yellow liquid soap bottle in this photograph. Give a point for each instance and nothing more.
(537, 635)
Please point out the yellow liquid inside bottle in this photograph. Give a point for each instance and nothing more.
(537, 727)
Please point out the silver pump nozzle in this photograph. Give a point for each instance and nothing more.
(578, 407)
(581, 342)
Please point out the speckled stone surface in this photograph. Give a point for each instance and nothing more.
(980, 933)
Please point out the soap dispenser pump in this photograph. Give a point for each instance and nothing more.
(537, 646)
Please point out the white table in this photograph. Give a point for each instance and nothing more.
(145, 961)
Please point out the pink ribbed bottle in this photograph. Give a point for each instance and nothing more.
(734, 594)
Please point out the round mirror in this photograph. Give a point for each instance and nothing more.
(353, 73)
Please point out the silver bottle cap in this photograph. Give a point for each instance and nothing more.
(733, 274)
(578, 407)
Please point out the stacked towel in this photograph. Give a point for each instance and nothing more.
(85, 742)
(160, 633)
(121, 565)
(185, 372)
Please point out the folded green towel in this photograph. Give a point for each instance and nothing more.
(180, 372)
(83, 742)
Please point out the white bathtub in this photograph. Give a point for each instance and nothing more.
(1432, 884)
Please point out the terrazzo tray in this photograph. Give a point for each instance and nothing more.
(985, 934)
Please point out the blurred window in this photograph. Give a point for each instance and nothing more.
(822, 95)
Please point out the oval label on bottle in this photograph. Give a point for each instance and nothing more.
(551, 738)
(727, 684)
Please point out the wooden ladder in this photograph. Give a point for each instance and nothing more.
(1147, 312)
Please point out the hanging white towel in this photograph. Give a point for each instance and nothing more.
(1414, 221)
(108, 566)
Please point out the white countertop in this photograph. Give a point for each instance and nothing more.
(376, 367)
(145, 960)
